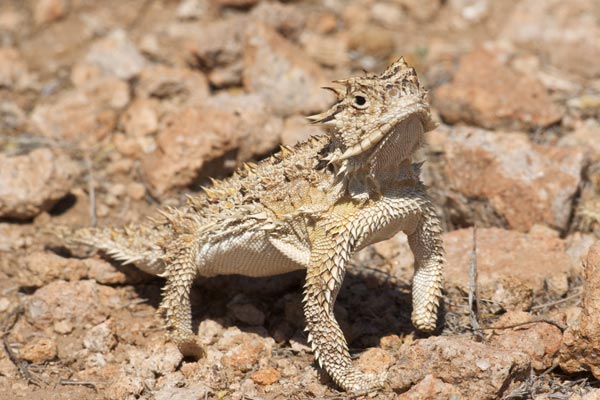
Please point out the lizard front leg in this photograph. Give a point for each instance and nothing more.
(176, 307)
(426, 244)
(325, 273)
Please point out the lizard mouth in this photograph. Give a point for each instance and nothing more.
(392, 127)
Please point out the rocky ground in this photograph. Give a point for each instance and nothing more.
(110, 108)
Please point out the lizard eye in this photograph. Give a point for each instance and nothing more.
(360, 101)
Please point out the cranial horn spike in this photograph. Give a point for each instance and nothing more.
(314, 118)
(321, 118)
(345, 82)
(285, 150)
(338, 92)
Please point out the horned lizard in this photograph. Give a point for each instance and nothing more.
(307, 207)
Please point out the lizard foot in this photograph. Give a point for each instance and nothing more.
(425, 321)
(357, 382)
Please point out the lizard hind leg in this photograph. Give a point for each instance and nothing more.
(176, 305)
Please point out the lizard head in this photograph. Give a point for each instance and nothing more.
(374, 110)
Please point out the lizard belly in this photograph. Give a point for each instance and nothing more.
(254, 253)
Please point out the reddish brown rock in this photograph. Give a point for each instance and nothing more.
(540, 340)
(581, 348)
(298, 129)
(106, 273)
(190, 9)
(49, 10)
(34, 182)
(101, 338)
(221, 43)
(156, 357)
(477, 370)
(371, 39)
(124, 387)
(236, 3)
(585, 136)
(390, 15)
(560, 32)
(506, 179)
(242, 350)
(39, 350)
(116, 55)
(331, 51)
(258, 131)
(13, 70)
(421, 10)
(141, 118)
(282, 74)
(87, 113)
(174, 83)
(191, 137)
(13, 18)
(323, 22)
(40, 268)
(209, 330)
(227, 76)
(144, 366)
(578, 246)
(13, 120)
(374, 361)
(487, 93)
(194, 391)
(207, 131)
(12, 239)
(510, 265)
(136, 190)
(266, 376)
(75, 302)
(283, 17)
(585, 106)
(431, 388)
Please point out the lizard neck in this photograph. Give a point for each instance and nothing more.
(388, 164)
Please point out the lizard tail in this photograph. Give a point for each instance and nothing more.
(129, 245)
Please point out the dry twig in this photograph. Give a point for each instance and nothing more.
(557, 324)
(557, 302)
(473, 294)
(91, 189)
(90, 385)
(21, 365)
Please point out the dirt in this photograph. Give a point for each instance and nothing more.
(110, 109)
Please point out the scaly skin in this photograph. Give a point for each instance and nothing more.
(312, 207)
